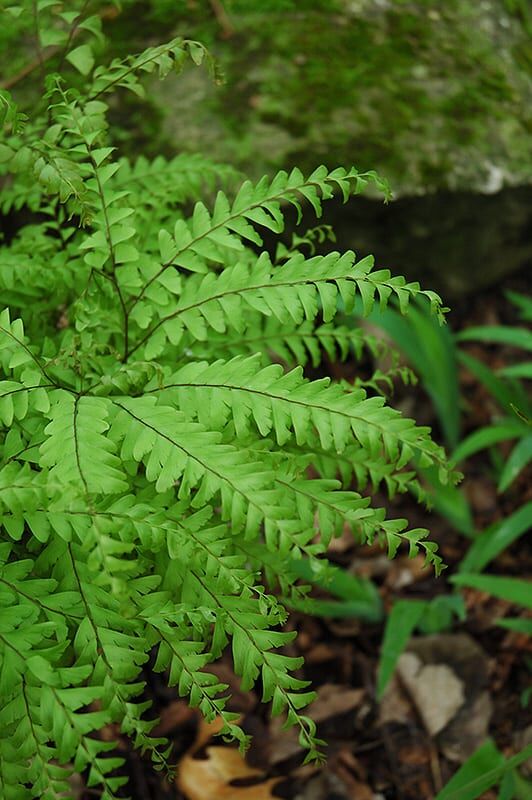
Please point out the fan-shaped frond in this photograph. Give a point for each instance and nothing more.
(188, 456)
(76, 451)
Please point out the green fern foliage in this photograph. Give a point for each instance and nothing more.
(163, 456)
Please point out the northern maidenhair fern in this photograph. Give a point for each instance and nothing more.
(155, 452)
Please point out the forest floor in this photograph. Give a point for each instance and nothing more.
(376, 751)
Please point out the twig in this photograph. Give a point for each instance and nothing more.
(72, 34)
(435, 767)
(223, 20)
(29, 68)
(106, 13)
(40, 57)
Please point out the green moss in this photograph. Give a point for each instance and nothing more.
(432, 94)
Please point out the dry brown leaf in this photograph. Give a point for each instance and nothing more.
(347, 767)
(332, 701)
(466, 732)
(345, 628)
(206, 730)
(395, 705)
(210, 778)
(444, 677)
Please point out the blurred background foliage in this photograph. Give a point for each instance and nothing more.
(437, 97)
(430, 94)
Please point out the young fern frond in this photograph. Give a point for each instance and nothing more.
(291, 344)
(167, 184)
(162, 59)
(289, 405)
(155, 481)
(299, 290)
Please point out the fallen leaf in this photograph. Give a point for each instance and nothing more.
(345, 628)
(460, 652)
(468, 730)
(320, 653)
(206, 730)
(326, 784)
(404, 571)
(211, 778)
(332, 701)
(347, 767)
(395, 705)
(435, 690)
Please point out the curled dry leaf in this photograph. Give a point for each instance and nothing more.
(406, 571)
(212, 778)
(206, 779)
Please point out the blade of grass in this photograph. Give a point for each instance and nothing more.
(488, 436)
(496, 539)
(359, 595)
(508, 393)
(431, 350)
(511, 589)
(498, 334)
(478, 774)
(517, 461)
(400, 624)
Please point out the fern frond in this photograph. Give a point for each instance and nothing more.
(160, 475)
(185, 662)
(289, 405)
(327, 509)
(298, 290)
(18, 398)
(163, 59)
(164, 184)
(293, 344)
(26, 278)
(76, 450)
(178, 452)
(25, 755)
(12, 120)
(355, 465)
(196, 243)
(15, 352)
(22, 492)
